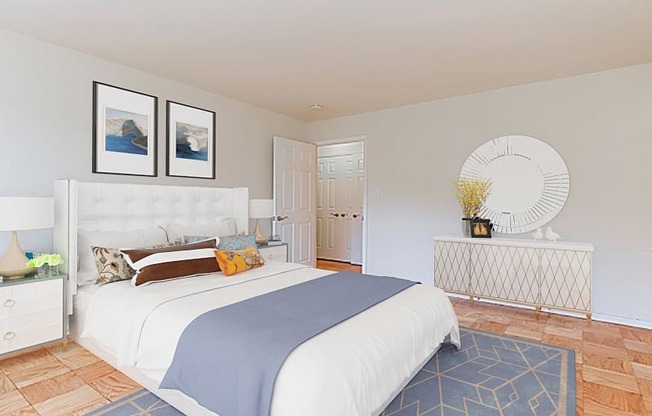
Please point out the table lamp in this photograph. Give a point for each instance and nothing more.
(260, 208)
(22, 213)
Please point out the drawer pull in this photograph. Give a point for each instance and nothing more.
(9, 303)
(9, 336)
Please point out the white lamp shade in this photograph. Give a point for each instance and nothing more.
(261, 208)
(26, 213)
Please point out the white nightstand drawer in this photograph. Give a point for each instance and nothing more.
(274, 253)
(23, 299)
(28, 330)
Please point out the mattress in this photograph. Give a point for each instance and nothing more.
(84, 297)
(353, 368)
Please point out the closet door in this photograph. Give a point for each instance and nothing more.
(333, 227)
(340, 193)
(356, 184)
(327, 210)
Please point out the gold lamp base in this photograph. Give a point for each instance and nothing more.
(260, 238)
(14, 264)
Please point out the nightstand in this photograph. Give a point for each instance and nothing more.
(274, 254)
(31, 312)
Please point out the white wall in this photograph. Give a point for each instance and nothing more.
(600, 123)
(46, 132)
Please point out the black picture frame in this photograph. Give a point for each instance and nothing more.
(480, 228)
(125, 131)
(191, 141)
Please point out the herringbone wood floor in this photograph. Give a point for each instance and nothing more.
(614, 366)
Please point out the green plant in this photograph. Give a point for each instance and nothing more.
(45, 259)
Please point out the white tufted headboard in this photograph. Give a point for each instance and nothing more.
(116, 207)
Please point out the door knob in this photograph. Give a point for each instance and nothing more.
(281, 217)
(334, 214)
(355, 215)
(343, 214)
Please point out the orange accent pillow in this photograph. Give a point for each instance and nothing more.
(232, 262)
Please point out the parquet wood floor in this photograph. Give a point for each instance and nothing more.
(338, 266)
(614, 366)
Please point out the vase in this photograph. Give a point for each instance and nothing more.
(466, 227)
(47, 271)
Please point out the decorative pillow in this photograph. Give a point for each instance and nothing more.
(223, 226)
(232, 262)
(125, 239)
(236, 242)
(112, 266)
(153, 265)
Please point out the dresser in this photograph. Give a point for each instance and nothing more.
(31, 312)
(276, 253)
(543, 274)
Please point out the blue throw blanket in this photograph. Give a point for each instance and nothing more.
(227, 359)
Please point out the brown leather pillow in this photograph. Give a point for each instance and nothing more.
(154, 265)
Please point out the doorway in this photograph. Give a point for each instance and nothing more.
(341, 203)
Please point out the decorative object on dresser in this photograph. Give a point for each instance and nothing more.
(191, 148)
(124, 131)
(260, 209)
(47, 264)
(529, 182)
(538, 234)
(481, 228)
(275, 240)
(471, 194)
(551, 235)
(22, 213)
(31, 312)
(274, 253)
(535, 273)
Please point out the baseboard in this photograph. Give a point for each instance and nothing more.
(601, 317)
(640, 323)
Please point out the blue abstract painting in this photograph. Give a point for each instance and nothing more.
(125, 132)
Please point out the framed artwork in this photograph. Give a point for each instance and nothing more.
(124, 131)
(190, 141)
(481, 228)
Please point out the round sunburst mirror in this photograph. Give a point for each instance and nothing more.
(529, 182)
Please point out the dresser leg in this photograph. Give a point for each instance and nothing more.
(471, 299)
(64, 343)
(537, 309)
(588, 316)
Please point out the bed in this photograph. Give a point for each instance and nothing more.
(354, 368)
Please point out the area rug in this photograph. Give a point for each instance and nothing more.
(490, 375)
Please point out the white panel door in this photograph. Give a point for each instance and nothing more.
(335, 232)
(327, 210)
(357, 190)
(294, 198)
(340, 185)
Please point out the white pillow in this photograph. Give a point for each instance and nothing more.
(122, 239)
(224, 227)
(86, 278)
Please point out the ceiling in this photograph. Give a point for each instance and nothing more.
(351, 56)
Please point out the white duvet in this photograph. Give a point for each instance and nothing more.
(354, 368)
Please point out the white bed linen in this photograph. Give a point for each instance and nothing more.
(84, 296)
(350, 369)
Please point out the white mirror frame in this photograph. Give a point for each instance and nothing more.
(530, 182)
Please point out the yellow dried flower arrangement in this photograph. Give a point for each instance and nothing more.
(472, 194)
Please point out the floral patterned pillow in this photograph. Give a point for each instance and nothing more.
(112, 266)
(232, 262)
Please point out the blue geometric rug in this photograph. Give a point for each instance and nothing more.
(491, 375)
